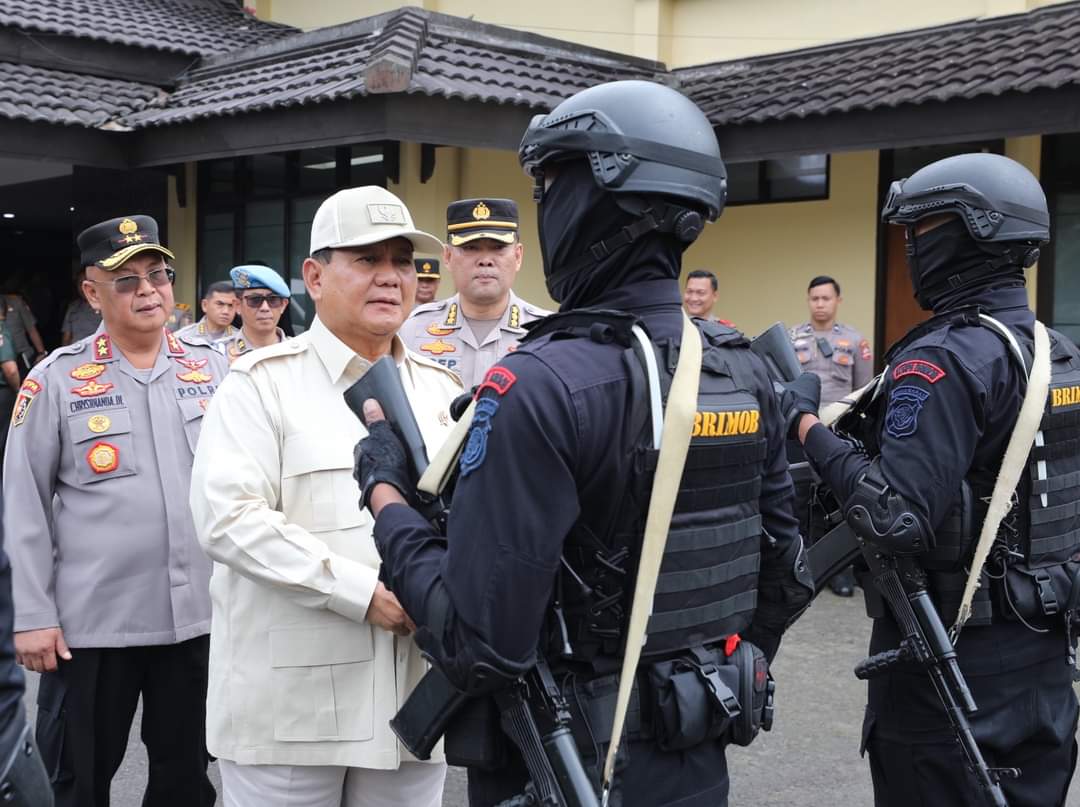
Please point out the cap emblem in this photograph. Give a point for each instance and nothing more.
(127, 227)
(481, 212)
(386, 214)
(243, 280)
(426, 266)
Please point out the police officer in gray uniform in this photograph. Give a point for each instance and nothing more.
(111, 587)
(836, 353)
(480, 324)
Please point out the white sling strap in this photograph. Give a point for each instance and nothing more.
(1025, 433)
(674, 445)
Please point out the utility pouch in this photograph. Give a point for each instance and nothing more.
(1041, 594)
(756, 692)
(709, 695)
(474, 738)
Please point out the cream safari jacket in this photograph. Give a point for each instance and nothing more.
(297, 677)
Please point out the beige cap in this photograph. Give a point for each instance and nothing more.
(356, 217)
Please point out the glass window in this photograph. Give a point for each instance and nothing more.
(805, 177)
(744, 184)
(259, 208)
(318, 169)
(216, 248)
(301, 308)
(366, 165)
(264, 233)
(1065, 228)
(789, 179)
(219, 179)
(266, 173)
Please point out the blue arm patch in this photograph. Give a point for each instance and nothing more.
(902, 416)
(472, 457)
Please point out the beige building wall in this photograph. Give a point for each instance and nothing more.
(764, 255)
(676, 32)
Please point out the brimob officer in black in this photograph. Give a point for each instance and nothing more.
(931, 450)
(547, 518)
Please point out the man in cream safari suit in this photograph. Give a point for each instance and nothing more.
(310, 655)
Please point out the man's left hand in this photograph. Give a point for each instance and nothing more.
(801, 397)
(380, 463)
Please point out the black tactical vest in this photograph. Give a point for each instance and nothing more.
(1038, 536)
(707, 589)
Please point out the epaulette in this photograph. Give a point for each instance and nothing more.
(183, 306)
(430, 364)
(193, 339)
(434, 305)
(66, 350)
(289, 347)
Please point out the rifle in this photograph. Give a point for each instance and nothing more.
(558, 778)
(902, 584)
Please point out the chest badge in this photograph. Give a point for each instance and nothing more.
(435, 330)
(195, 377)
(88, 371)
(98, 424)
(92, 389)
(193, 364)
(103, 458)
(438, 347)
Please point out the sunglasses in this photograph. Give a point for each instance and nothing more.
(129, 284)
(256, 300)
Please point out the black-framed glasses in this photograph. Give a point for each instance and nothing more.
(129, 284)
(256, 300)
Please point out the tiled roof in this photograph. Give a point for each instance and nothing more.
(410, 51)
(984, 57)
(196, 27)
(38, 94)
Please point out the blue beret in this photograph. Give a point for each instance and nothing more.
(254, 276)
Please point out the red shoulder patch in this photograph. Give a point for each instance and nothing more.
(924, 369)
(497, 378)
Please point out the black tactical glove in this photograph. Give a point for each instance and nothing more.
(380, 457)
(801, 397)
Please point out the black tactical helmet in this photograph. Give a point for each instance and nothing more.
(639, 137)
(997, 198)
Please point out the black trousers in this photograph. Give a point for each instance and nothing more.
(85, 710)
(697, 777)
(1027, 719)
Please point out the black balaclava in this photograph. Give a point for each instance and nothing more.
(949, 250)
(576, 213)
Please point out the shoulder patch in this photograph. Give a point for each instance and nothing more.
(497, 378)
(902, 416)
(289, 347)
(27, 393)
(472, 456)
(918, 367)
(864, 350)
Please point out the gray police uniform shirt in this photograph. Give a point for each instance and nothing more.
(849, 365)
(239, 343)
(80, 320)
(202, 330)
(96, 478)
(440, 331)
